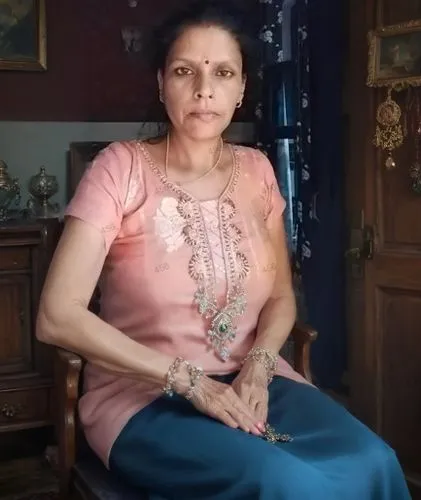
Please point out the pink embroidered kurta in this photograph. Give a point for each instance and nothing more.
(174, 263)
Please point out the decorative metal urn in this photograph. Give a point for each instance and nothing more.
(42, 187)
(9, 191)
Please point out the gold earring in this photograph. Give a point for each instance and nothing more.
(239, 104)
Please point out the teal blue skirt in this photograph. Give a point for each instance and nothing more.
(174, 452)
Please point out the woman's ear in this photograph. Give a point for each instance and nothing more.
(243, 86)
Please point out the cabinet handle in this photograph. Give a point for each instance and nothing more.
(10, 411)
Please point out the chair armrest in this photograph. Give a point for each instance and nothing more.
(303, 336)
(67, 369)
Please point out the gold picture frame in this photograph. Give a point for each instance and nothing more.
(23, 35)
(394, 58)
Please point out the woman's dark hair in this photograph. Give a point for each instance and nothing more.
(221, 13)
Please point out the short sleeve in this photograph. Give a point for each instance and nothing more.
(274, 203)
(100, 196)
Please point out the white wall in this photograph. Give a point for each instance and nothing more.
(26, 146)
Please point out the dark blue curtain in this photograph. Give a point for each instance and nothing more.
(315, 53)
(323, 275)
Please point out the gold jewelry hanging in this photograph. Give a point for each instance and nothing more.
(389, 134)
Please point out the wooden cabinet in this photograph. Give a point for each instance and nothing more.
(26, 371)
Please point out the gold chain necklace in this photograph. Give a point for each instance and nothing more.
(206, 173)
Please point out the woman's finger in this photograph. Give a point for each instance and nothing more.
(262, 411)
(227, 419)
(245, 418)
(244, 423)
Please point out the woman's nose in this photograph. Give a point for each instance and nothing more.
(204, 89)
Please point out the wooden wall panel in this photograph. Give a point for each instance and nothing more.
(89, 75)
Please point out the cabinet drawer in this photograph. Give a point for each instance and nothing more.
(24, 406)
(14, 258)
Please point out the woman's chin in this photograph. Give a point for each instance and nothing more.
(204, 131)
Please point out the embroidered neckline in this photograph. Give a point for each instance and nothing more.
(227, 191)
(222, 319)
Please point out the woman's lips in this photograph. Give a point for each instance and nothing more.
(205, 116)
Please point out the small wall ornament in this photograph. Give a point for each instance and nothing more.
(389, 133)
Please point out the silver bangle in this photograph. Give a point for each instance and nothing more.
(195, 374)
(266, 357)
(170, 378)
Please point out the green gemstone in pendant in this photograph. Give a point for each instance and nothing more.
(223, 327)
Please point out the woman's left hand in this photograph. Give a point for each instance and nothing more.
(251, 385)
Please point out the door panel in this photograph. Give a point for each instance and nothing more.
(384, 297)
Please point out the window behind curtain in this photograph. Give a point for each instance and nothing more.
(279, 131)
(280, 100)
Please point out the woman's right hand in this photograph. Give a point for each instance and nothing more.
(220, 401)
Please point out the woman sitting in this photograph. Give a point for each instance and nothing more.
(184, 387)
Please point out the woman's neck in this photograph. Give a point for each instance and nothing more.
(190, 155)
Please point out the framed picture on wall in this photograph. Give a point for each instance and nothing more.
(23, 37)
(395, 55)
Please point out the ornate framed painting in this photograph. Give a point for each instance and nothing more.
(395, 56)
(23, 37)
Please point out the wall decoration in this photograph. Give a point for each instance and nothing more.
(394, 62)
(395, 56)
(23, 35)
(132, 39)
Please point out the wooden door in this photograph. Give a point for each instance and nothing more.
(384, 292)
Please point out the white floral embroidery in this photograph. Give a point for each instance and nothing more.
(280, 55)
(169, 224)
(306, 250)
(302, 30)
(267, 36)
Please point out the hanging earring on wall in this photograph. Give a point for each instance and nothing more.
(389, 134)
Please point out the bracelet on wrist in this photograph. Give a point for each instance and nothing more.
(267, 358)
(168, 388)
(195, 373)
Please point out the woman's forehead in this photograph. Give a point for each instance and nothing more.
(211, 43)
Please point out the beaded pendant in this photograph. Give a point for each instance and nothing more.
(274, 437)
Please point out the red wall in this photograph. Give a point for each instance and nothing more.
(89, 76)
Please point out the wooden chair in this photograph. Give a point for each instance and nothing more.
(82, 476)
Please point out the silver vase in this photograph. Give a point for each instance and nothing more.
(42, 187)
(9, 192)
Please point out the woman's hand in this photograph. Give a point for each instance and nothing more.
(251, 385)
(220, 401)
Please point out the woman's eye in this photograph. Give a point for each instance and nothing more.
(225, 73)
(183, 71)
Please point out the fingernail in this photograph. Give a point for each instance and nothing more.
(257, 431)
(261, 426)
